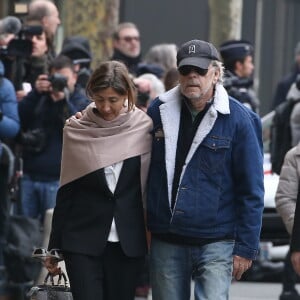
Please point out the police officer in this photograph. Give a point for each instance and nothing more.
(237, 56)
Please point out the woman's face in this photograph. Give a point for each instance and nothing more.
(39, 45)
(109, 103)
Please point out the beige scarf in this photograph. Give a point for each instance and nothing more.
(92, 143)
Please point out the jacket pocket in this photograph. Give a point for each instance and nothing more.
(212, 152)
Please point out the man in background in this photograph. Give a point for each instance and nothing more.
(127, 46)
(237, 57)
(47, 13)
(285, 83)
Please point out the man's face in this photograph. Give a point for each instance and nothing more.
(52, 21)
(198, 84)
(128, 42)
(245, 69)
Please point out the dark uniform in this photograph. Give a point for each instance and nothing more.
(240, 88)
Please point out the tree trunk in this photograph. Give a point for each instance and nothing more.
(225, 20)
(95, 20)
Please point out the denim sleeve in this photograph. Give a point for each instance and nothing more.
(249, 184)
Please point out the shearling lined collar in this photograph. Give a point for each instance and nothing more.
(170, 117)
(221, 99)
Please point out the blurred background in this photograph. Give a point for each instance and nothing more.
(271, 25)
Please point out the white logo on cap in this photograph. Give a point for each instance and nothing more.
(192, 49)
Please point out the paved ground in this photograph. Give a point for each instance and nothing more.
(251, 291)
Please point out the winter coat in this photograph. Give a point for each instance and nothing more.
(287, 190)
(221, 191)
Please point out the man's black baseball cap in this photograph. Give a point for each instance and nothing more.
(197, 53)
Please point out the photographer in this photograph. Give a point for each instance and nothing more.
(237, 56)
(78, 49)
(36, 63)
(43, 113)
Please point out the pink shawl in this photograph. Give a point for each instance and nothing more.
(92, 143)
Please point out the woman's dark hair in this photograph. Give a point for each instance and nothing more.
(112, 74)
(34, 22)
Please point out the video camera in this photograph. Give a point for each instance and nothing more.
(58, 81)
(21, 46)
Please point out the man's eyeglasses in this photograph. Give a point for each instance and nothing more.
(129, 39)
(186, 70)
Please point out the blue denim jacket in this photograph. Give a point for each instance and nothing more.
(221, 189)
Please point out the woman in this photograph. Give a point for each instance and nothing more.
(98, 220)
(37, 63)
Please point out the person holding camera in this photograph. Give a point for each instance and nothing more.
(43, 113)
(35, 64)
(237, 57)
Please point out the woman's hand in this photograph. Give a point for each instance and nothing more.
(52, 266)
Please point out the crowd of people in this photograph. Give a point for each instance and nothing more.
(152, 163)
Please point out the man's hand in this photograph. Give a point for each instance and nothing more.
(295, 258)
(57, 96)
(240, 266)
(52, 266)
(42, 85)
(20, 94)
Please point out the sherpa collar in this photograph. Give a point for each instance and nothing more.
(170, 116)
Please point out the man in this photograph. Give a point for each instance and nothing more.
(127, 46)
(237, 56)
(43, 113)
(205, 185)
(286, 82)
(47, 13)
(78, 49)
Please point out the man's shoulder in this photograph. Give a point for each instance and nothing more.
(241, 112)
(79, 96)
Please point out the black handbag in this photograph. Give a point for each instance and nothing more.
(52, 291)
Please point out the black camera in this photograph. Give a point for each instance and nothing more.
(59, 82)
